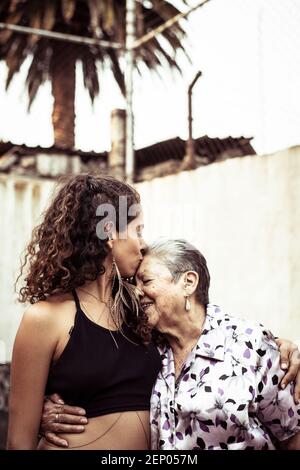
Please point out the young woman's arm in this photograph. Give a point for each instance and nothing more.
(33, 350)
(290, 362)
(293, 443)
(276, 407)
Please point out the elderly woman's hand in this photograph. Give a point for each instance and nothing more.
(59, 418)
(290, 362)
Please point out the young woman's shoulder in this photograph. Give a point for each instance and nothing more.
(49, 313)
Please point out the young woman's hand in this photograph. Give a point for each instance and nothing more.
(290, 362)
(57, 417)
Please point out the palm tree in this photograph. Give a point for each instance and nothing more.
(56, 60)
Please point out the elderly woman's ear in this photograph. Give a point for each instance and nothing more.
(190, 279)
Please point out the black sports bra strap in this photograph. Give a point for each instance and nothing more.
(76, 299)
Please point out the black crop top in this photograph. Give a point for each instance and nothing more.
(96, 375)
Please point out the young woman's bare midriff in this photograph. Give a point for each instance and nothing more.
(127, 430)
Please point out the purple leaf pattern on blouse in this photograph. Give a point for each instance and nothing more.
(228, 396)
(247, 353)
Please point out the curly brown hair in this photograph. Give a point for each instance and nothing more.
(65, 251)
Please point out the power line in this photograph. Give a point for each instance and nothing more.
(99, 42)
(61, 36)
(147, 37)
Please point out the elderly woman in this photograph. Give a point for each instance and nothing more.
(219, 383)
(218, 387)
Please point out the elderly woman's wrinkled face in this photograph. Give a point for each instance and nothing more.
(162, 297)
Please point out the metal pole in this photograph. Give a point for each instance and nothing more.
(190, 151)
(129, 59)
(130, 46)
(100, 42)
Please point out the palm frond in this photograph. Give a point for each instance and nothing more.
(164, 9)
(38, 71)
(68, 9)
(14, 5)
(103, 19)
(140, 26)
(35, 22)
(119, 30)
(116, 69)
(159, 49)
(14, 58)
(90, 74)
(95, 9)
(108, 20)
(4, 7)
(49, 14)
(14, 18)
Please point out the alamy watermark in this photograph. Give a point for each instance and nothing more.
(110, 220)
(168, 219)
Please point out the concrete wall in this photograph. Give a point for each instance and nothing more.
(21, 203)
(243, 214)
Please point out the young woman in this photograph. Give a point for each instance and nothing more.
(84, 336)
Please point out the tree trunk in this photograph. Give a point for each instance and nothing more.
(63, 69)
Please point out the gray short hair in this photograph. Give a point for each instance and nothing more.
(180, 256)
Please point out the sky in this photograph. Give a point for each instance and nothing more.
(248, 52)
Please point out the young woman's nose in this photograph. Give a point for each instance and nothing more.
(140, 292)
(143, 245)
(139, 285)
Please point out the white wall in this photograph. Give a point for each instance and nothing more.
(243, 214)
(21, 203)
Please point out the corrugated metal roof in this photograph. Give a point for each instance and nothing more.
(11, 155)
(24, 150)
(212, 148)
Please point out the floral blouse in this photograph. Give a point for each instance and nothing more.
(227, 395)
